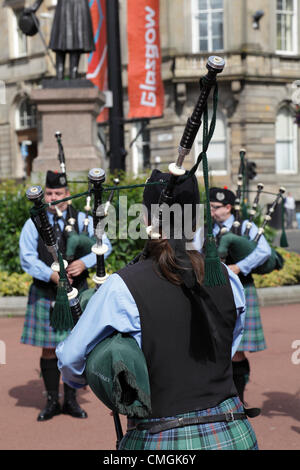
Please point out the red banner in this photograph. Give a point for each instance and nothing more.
(97, 60)
(145, 86)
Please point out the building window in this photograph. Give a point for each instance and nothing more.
(286, 19)
(26, 115)
(286, 142)
(19, 39)
(217, 149)
(207, 25)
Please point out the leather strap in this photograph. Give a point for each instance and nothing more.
(154, 427)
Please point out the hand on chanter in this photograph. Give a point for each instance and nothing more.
(75, 268)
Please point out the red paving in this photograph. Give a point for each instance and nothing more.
(274, 387)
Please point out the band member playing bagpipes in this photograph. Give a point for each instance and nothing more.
(223, 204)
(183, 324)
(36, 260)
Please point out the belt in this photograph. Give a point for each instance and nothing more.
(154, 427)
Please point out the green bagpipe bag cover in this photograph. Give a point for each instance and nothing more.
(78, 245)
(239, 247)
(117, 373)
(85, 296)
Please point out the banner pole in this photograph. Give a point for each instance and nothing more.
(116, 114)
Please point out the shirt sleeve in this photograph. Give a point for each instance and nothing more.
(240, 304)
(111, 308)
(29, 258)
(258, 256)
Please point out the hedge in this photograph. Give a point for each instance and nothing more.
(14, 211)
(287, 276)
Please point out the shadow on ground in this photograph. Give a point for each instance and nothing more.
(282, 404)
(33, 394)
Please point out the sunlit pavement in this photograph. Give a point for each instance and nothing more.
(274, 387)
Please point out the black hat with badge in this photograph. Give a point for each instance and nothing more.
(222, 195)
(55, 180)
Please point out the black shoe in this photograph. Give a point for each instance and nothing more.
(52, 408)
(70, 406)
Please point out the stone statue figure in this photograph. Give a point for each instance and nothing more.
(71, 33)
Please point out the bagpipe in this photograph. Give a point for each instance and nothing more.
(69, 305)
(239, 195)
(67, 309)
(215, 65)
(96, 179)
(235, 246)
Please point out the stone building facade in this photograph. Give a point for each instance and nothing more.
(258, 89)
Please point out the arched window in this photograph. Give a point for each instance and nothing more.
(286, 142)
(217, 149)
(26, 115)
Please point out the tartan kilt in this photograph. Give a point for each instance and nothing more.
(253, 338)
(37, 330)
(235, 435)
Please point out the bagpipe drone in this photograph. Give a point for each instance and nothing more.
(78, 244)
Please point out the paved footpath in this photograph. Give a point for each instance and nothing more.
(274, 387)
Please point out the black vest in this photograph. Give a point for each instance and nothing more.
(50, 288)
(181, 380)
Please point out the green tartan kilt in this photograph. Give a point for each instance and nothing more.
(253, 338)
(37, 330)
(235, 435)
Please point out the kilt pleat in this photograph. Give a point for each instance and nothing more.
(253, 338)
(37, 330)
(235, 435)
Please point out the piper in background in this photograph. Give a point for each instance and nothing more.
(36, 261)
(222, 204)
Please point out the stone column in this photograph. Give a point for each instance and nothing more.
(73, 112)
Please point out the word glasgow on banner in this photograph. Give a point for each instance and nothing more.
(145, 87)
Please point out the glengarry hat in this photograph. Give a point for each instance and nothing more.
(221, 195)
(55, 180)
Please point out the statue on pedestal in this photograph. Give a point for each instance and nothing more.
(71, 33)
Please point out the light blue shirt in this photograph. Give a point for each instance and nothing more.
(261, 253)
(28, 244)
(112, 308)
(258, 256)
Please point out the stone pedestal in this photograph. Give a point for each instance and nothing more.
(72, 110)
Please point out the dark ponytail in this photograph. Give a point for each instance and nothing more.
(163, 254)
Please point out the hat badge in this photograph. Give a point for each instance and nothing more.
(220, 196)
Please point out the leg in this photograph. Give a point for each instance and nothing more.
(60, 65)
(51, 376)
(241, 371)
(70, 406)
(74, 62)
